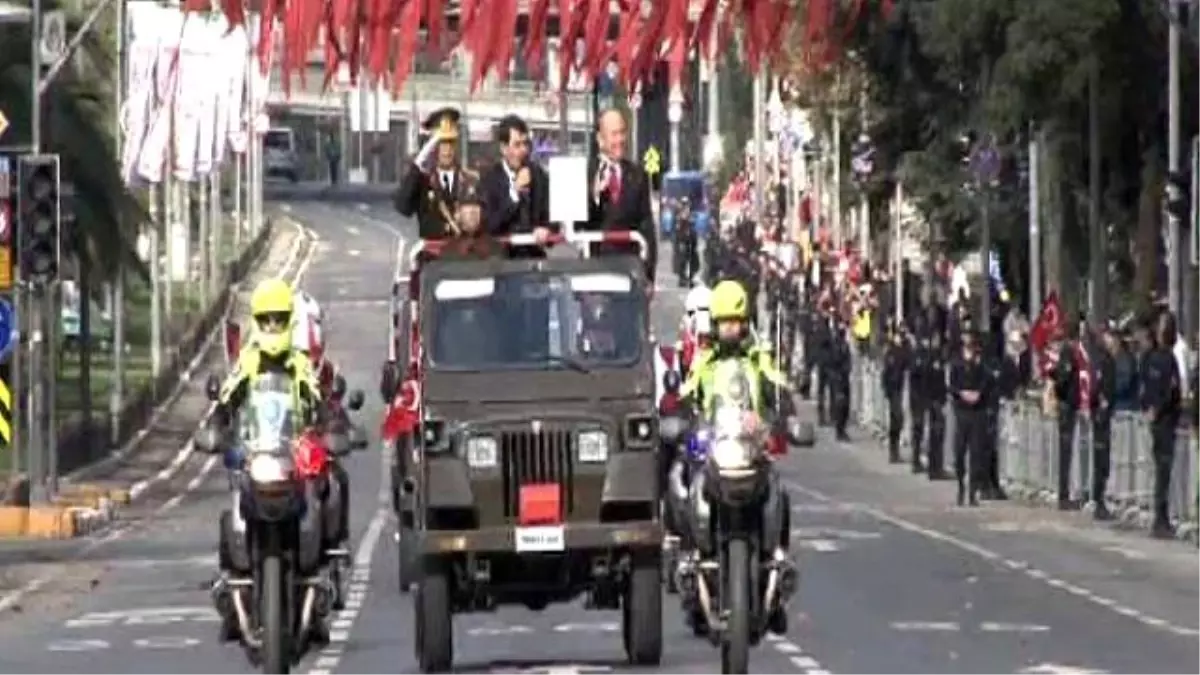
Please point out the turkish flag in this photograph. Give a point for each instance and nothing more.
(1048, 328)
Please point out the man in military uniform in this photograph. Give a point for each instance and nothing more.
(429, 188)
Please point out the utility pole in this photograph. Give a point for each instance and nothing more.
(1035, 230)
(1098, 257)
(760, 144)
(116, 389)
(1174, 160)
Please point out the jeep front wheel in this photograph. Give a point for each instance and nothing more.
(435, 636)
(641, 611)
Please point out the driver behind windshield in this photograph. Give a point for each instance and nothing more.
(270, 349)
(769, 393)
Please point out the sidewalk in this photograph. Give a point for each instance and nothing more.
(90, 498)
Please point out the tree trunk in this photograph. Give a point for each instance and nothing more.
(1149, 227)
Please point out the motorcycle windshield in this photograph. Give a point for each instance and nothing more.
(269, 415)
(732, 416)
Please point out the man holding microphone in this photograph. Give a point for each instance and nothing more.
(516, 192)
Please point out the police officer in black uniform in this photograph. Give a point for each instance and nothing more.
(918, 367)
(429, 188)
(969, 382)
(895, 365)
(933, 385)
(821, 348)
(1003, 375)
(1066, 393)
(1162, 399)
(838, 368)
(1104, 393)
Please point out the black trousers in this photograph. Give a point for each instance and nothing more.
(686, 254)
(1101, 454)
(969, 430)
(1163, 448)
(1066, 450)
(839, 402)
(990, 462)
(935, 460)
(824, 394)
(895, 423)
(916, 424)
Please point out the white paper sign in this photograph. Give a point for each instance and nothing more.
(568, 190)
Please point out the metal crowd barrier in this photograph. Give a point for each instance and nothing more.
(1027, 444)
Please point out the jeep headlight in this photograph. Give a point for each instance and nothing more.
(482, 452)
(593, 446)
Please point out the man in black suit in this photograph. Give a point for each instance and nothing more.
(620, 191)
(516, 192)
(428, 188)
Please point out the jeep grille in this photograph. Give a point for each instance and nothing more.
(537, 457)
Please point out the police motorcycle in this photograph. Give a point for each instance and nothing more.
(335, 502)
(276, 532)
(739, 578)
(672, 428)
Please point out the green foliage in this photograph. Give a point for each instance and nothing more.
(1003, 68)
(79, 124)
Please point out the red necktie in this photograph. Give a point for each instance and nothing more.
(614, 182)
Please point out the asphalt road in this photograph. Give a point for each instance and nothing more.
(894, 579)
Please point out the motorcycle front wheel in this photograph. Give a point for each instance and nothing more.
(735, 643)
(272, 616)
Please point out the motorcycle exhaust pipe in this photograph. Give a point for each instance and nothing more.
(249, 635)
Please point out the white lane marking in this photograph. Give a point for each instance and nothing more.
(354, 231)
(820, 545)
(145, 616)
(600, 627)
(1002, 627)
(14, 598)
(1005, 563)
(1058, 669)
(925, 626)
(499, 631)
(77, 645)
(1126, 552)
(354, 253)
(796, 654)
(360, 579)
(166, 642)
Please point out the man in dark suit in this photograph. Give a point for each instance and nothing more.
(516, 192)
(428, 188)
(620, 191)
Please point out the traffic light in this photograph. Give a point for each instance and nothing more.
(39, 217)
(1179, 196)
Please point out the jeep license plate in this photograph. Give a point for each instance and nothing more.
(542, 539)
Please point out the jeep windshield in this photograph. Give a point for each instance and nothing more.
(537, 321)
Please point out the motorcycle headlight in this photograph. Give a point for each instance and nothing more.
(732, 453)
(482, 452)
(593, 446)
(269, 469)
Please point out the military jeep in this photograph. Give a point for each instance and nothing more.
(538, 478)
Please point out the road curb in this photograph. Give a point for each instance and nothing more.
(1129, 518)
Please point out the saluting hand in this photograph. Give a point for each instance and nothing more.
(524, 178)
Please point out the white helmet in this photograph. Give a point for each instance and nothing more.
(697, 299)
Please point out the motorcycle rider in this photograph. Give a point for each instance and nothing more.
(734, 340)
